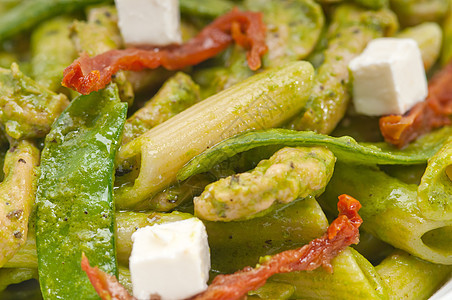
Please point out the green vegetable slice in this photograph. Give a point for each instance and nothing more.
(345, 148)
(75, 211)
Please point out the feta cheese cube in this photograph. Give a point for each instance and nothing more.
(149, 22)
(171, 260)
(388, 77)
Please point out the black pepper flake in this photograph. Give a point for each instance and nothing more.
(230, 237)
(65, 219)
(104, 215)
(18, 234)
(21, 160)
(85, 212)
(292, 166)
(15, 214)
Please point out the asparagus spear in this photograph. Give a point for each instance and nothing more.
(177, 93)
(28, 109)
(289, 174)
(349, 32)
(52, 51)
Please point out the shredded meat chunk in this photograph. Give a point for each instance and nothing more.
(87, 74)
(425, 116)
(342, 232)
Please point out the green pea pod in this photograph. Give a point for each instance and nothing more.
(28, 14)
(390, 212)
(349, 32)
(75, 211)
(52, 51)
(28, 109)
(435, 190)
(346, 149)
(410, 278)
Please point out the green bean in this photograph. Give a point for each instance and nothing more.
(410, 278)
(52, 51)
(28, 109)
(177, 93)
(414, 12)
(429, 37)
(345, 148)
(390, 212)
(28, 14)
(348, 34)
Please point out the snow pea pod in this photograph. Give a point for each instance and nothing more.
(75, 210)
(345, 148)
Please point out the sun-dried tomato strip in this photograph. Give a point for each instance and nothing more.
(342, 232)
(425, 116)
(87, 74)
(106, 286)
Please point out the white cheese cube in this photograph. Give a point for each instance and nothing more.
(388, 77)
(171, 260)
(149, 22)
